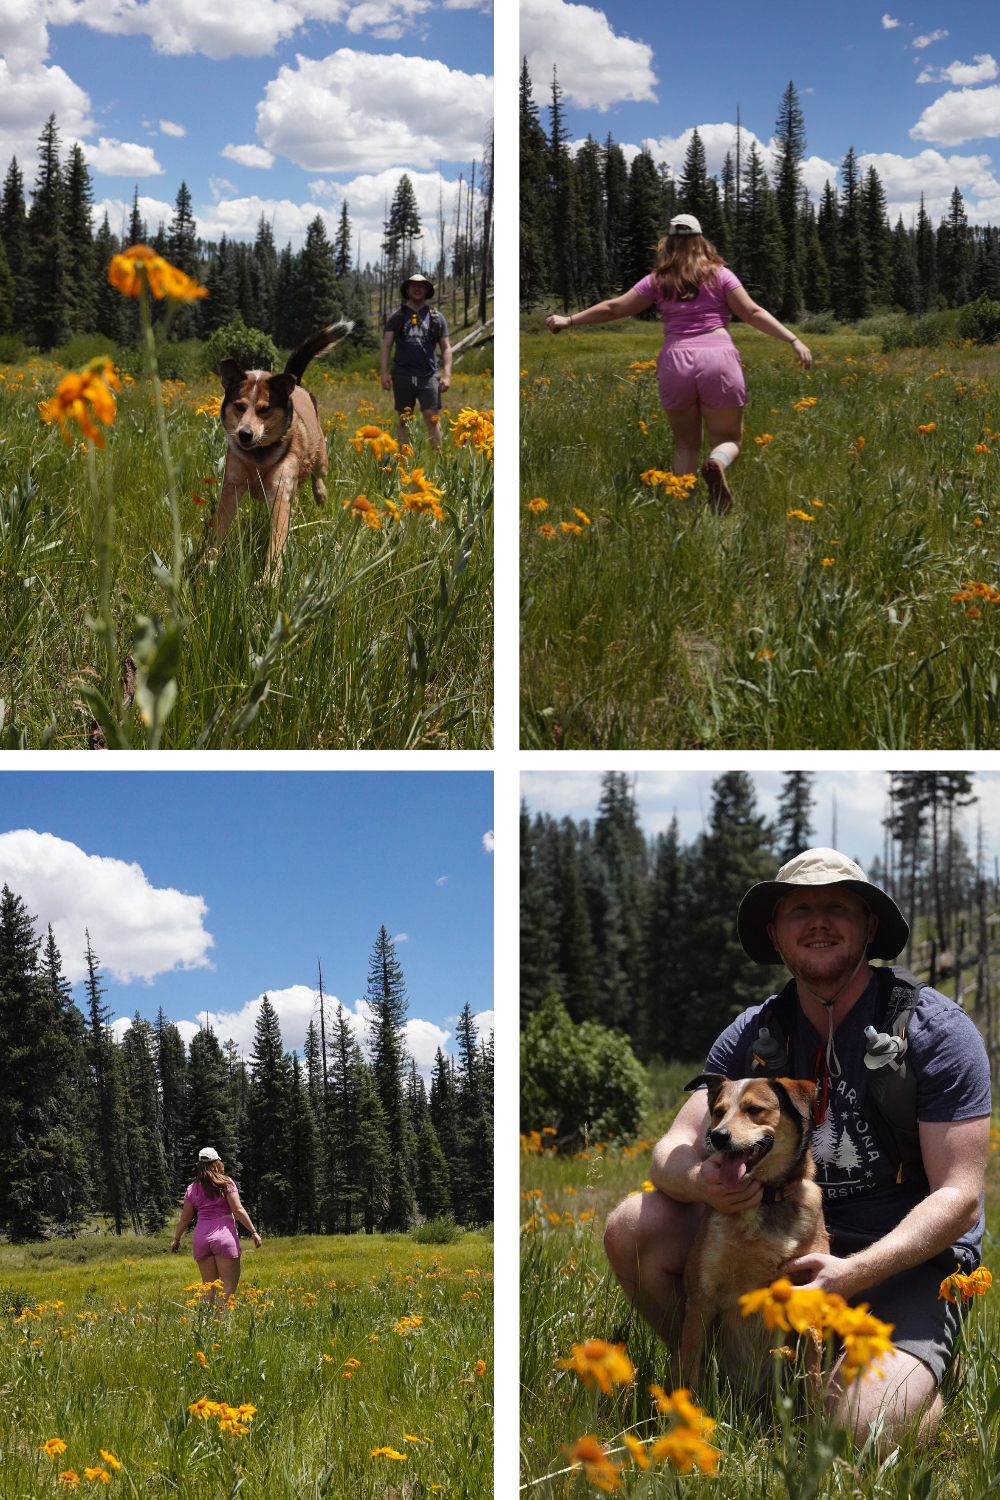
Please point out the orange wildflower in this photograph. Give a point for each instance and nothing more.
(138, 263)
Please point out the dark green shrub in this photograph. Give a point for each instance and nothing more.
(980, 321)
(249, 347)
(440, 1231)
(12, 349)
(572, 1076)
(14, 1297)
(820, 322)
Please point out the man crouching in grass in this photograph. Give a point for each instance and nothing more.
(899, 1220)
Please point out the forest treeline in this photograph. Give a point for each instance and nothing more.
(53, 265)
(590, 223)
(332, 1143)
(640, 935)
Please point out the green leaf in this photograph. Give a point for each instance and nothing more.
(113, 732)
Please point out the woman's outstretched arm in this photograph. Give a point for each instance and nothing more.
(746, 308)
(239, 1212)
(187, 1214)
(625, 306)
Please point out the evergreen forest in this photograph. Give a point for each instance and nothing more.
(96, 1132)
(53, 262)
(590, 222)
(640, 934)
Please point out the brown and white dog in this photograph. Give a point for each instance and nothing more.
(275, 439)
(758, 1128)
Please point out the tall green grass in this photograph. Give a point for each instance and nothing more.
(107, 1357)
(378, 639)
(568, 1294)
(665, 625)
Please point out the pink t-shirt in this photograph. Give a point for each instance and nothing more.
(701, 314)
(210, 1209)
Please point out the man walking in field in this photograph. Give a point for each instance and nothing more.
(901, 1207)
(415, 329)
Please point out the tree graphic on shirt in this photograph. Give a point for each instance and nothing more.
(824, 1142)
(847, 1154)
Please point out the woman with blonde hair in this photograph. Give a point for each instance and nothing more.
(215, 1244)
(700, 374)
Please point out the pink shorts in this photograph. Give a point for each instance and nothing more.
(215, 1239)
(705, 369)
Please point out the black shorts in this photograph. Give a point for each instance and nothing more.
(924, 1324)
(407, 390)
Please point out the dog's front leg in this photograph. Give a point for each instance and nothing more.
(698, 1320)
(281, 510)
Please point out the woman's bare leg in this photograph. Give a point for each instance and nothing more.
(229, 1271)
(209, 1271)
(724, 425)
(685, 424)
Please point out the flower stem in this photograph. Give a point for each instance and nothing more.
(103, 533)
(161, 426)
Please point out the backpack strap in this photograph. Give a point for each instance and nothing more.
(768, 1054)
(891, 1101)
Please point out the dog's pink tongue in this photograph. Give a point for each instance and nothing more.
(733, 1169)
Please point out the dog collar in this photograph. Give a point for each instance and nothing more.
(775, 1195)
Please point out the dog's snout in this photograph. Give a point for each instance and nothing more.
(721, 1139)
(245, 435)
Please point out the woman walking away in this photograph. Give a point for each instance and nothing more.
(215, 1244)
(700, 375)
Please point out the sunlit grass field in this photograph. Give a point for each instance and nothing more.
(819, 613)
(568, 1294)
(343, 1345)
(390, 644)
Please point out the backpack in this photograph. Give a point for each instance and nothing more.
(891, 1103)
(436, 325)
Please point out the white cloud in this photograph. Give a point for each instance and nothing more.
(118, 210)
(483, 5)
(122, 159)
(29, 93)
(182, 27)
(925, 41)
(401, 937)
(219, 187)
(980, 70)
(488, 841)
(966, 115)
(136, 929)
(356, 110)
(248, 156)
(169, 128)
(597, 67)
(888, 23)
(441, 880)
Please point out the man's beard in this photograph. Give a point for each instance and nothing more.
(826, 968)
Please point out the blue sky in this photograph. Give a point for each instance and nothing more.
(860, 798)
(277, 869)
(653, 73)
(317, 99)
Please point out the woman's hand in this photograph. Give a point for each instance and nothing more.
(175, 1247)
(256, 1240)
(555, 323)
(804, 354)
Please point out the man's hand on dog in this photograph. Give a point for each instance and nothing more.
(745, 1194)
(825, 1273)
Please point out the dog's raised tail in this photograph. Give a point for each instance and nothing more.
(314, 345)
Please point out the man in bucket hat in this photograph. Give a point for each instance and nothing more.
(898, 1221)
(415, 329)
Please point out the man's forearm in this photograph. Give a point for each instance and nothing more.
(930, 1227)
(675, 1171)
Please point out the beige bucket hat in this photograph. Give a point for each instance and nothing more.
(811, 868)
(423, 280)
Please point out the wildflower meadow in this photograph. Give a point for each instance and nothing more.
(123, 626)
(343, 1367)
(847, 601)
(600, 1412)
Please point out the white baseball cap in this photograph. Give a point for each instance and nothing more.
(684, 224)
(208, 1153)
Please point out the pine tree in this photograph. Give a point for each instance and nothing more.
(342, 245)
(533, 207)
(105, 1096)
(209, 1118)
(763, 239)
(589, 245)
(828, 233)
(953, 263)
(267, 1114)
(445, 1119)
(302, 1157)
(342, 1183)
(388, 1004)
(81, 287)
(138, 230)
(615, 897)
(49, 249)
(575, 957)
(171, 1072)
(793, 829)
(816, 285)
(374, 1170)
(693, 193)
(855, 261)
(616, 201)
(905, 277)
(433, 1182)
(402, 228)
(264, 273)
(926, 256)
(109, 303)
(314, 1064)
(878, 238)
(475, 1126)
(182, 251)
(663, 1021)
(416, 1097)
(539, 934)
(14, 233)
(317, 301)
(790, 149)
(222, 303)
(563, 220)
(145, 1165)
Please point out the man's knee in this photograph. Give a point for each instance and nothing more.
(650, 1223)
(621, 1239)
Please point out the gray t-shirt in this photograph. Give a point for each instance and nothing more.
(417, 334)
(861, 1199)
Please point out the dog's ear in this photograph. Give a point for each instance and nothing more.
(280, 388)
(713, 1082)
(800, 1093)
(231, 373)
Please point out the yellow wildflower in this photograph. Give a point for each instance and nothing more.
(597, 1361)
(388, 1452)
(975, 1285)
(138, 262)
(583, 518)
(109, 1458)
(69, 1479)
(83, 399)
(927, 427)
(537, 505)
(800, 515)
(53, 1447)
(100, 1475)
(589, 1454)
